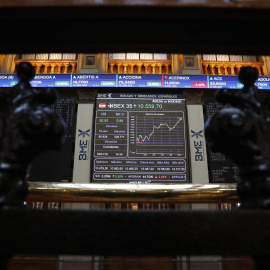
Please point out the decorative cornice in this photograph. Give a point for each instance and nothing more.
(86, 94)
(193, 96)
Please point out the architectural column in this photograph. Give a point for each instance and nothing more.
(259, 70)
(38, 67)
(139, 65)
(160, 68)
(199, 62)
(59, 65)
(167, 68)
(226, 70)
(103, 63)
(46, 65)
(2, 57)
(73, 67)
(66, 66)
(266, 66)
(125, 67)
(146, 68)
(238, 67)
(232, 69)
(218, 70)
(119, 67)
(176, 64)
(205, 66)
(111, 67)
(153, 68)
(80, 62)
(212, 71)
(8, 65)
(131, 67)
(52, 67)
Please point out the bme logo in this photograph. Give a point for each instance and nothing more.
(84, 133)
(197, 134)
(198, 145)
(84, 145)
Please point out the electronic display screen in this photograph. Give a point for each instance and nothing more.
(263, 83)
(221, 169)
(134, 80)
(40, 80)
(184, 81)
(138, 80)
(93, 80)
(55, 166)
(51, 80)
(140, 138)
(230, 82)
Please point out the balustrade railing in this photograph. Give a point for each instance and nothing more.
(140, 66)
(117, 196)
(117, 193)
(51, 66)
(228, 67)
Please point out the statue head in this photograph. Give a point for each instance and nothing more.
(25, 72)
(248, 76)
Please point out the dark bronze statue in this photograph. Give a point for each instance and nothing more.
(241, 132)
(27, 127)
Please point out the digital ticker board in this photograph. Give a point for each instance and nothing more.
(229, 82)
(232, 82)
(93, 80)
(140, 138)
(184, 81)
(40, 80)
(134, 80)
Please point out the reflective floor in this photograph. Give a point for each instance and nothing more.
(131, 263)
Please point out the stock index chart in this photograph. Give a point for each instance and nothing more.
(140, 138)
